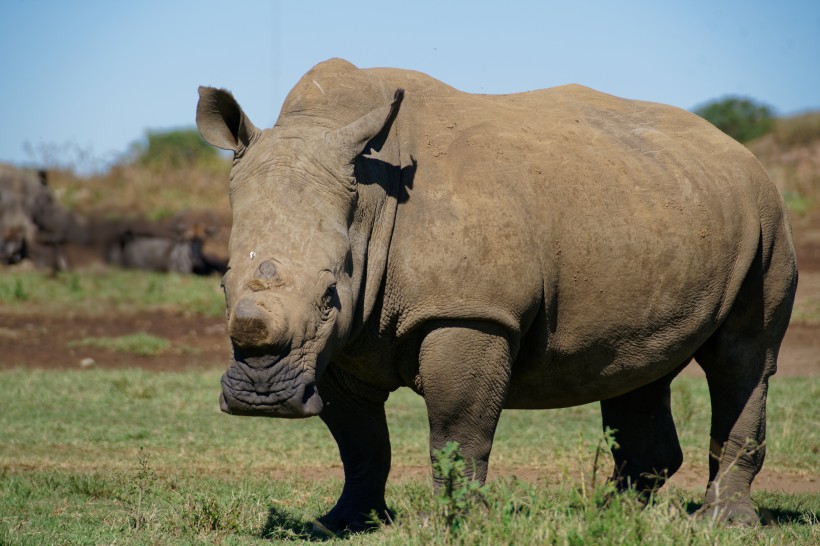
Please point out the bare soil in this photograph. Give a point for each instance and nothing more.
(38, 341)
(41, 341)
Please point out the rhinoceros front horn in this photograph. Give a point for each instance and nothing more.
(254, 326)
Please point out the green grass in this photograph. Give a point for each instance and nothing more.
(110, 290)
(76, 445)
(807, 310)
(56, 506)
(139, 343)
(797, 203)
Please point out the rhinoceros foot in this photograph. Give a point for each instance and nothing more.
(352, 519)
(738, 511)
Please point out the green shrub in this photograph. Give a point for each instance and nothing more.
(458, 492)
(741, 118)
(175, 149)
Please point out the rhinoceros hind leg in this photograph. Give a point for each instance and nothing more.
(354, 413)
(737, 446)
(649, 451)
(738, 360)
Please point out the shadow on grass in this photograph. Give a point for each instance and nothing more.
(777, 516)
(768, 516)
(281, 525)
(691, 507)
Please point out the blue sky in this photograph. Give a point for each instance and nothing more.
(82, 80)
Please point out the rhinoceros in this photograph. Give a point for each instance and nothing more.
(33, 220)
(536, 250)
(178, 249)
(16, 233)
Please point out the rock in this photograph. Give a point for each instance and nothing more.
(87, 362)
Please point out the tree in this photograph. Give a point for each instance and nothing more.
(175, 148)
(741, 118)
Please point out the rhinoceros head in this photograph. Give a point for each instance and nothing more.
(290, 288)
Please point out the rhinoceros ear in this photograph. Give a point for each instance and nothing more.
(351, 140)
(221, 121)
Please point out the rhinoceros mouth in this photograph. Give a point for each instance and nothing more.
(269, 387)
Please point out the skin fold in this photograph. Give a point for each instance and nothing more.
(536, 250)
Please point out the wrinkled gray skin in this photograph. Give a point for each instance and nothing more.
(538, 250)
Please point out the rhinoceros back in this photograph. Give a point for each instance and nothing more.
(632, 223)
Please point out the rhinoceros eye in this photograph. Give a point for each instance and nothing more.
(329, 298)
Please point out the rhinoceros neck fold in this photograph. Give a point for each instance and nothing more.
(378, 205)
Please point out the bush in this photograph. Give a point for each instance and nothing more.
(176, 148)
(741, 118)
(458, 492)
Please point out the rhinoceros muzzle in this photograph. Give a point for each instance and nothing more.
(269, 386)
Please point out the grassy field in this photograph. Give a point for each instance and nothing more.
(96, 456)
(110, 290)
(85, 455)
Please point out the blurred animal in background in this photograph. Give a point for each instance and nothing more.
(176, 248)
(32, 223)
(16, 230)
(34, 226)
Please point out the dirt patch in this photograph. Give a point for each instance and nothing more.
(46, 341)
(688, 477)
(37, 341)
(199, 342)
(800, 352)
(807, 240)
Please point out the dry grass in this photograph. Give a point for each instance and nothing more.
(131, 190)
(135, 457)
(791, 156)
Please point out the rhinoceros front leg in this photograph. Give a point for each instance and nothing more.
(464, 372)
(354, 413)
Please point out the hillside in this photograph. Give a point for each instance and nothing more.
(791, 155)
(157, 190)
